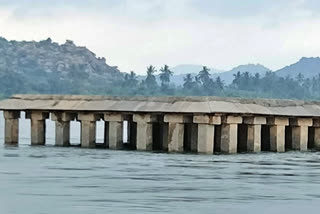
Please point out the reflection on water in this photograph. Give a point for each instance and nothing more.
(74, 180)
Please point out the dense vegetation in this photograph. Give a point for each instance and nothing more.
(243, 85)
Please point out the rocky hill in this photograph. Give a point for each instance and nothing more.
(47, 67)
(308, 67)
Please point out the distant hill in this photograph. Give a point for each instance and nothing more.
(47, 67)
(190, 69)
(227, 76)
(308, 67)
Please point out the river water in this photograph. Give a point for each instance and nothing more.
(41, 180)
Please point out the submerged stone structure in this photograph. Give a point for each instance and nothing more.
(205, 125)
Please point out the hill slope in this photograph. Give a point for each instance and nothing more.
(47, 67)
(226, 76)
(308, 67)
(191, 68)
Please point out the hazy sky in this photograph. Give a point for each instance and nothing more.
(135, 33)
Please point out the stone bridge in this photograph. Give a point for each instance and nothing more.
(174, 124)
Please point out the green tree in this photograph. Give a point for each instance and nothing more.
(165, 74)
(219, 83)
(204, 75)
(150, 81)
(131, 80)
(188, 82)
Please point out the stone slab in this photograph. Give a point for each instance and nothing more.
(278, 121)
(300, 121)
(255, 120)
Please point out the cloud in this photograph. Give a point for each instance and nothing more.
(135, 33)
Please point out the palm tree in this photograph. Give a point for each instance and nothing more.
(165, 75)
(150, 81)
(188, 82)
(219, 83)
(204, 75)
(131, 79)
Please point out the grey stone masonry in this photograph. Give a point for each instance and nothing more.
(11, 132)
(38, 126)
(88, 129)
(62, 123)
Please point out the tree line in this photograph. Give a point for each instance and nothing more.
(244, 84)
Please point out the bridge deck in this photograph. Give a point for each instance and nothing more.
(206, 105)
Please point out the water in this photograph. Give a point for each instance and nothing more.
(41, 180)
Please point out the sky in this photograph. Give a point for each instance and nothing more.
(133, 34)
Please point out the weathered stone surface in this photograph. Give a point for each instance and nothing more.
(11, 114)
(37, 115)
(254, 138)
(175, 137)
(145, 118)
(62, 116)
(300, 122)
(38, 126)
(174, 105)
(255, 120)
(205, 138)
(88, 133)
(316, 123)
(88, 117)
(300, 138)
(62, 133)
(115, 135)
(277, 138)
(144, 136)
(176, 118)
(232, 119)
(229, 141)
(114, 117)
(11, 131)
(38, 131)
(278, 121)
(207, 119)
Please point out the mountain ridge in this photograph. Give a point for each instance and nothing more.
(307, 66)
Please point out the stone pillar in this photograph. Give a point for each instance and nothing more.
(205, 134)
(175, 132)
(300, 133)
(316, 137)
(253, 141)
(11, 127)
(277, 133)
(144, 131)
(229, 134)
(62, 121)
(38, 126)
(115, 130)
(88, 129)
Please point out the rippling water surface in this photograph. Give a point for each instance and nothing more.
(73, 180)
